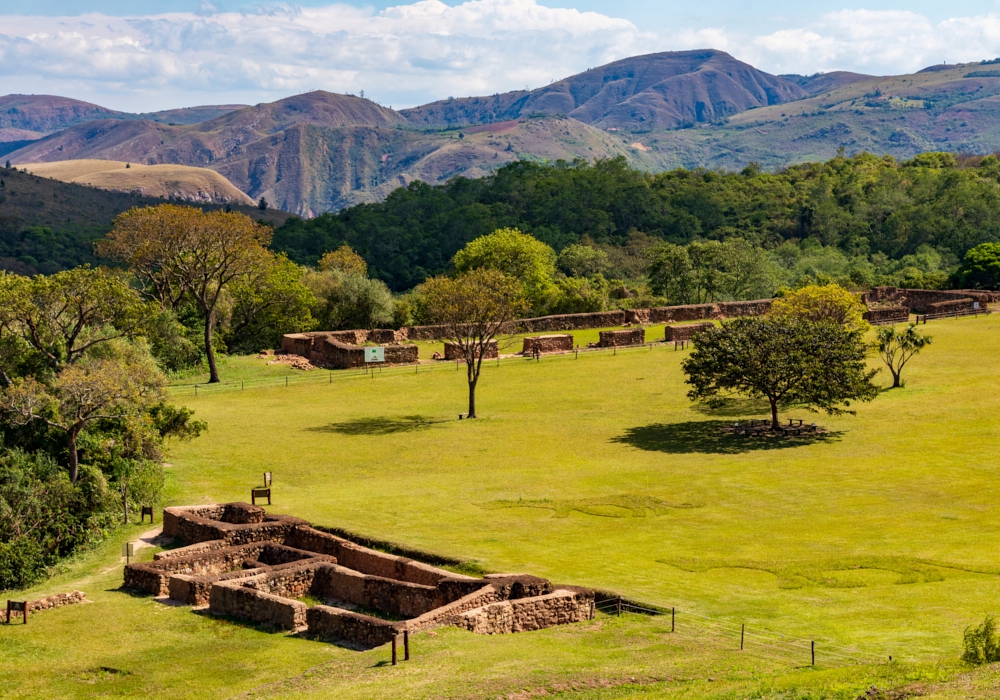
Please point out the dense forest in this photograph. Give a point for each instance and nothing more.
(865, 218)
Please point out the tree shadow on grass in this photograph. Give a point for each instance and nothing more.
(381, 425)
(708, 437)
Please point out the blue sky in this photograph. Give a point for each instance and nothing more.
(154, 54)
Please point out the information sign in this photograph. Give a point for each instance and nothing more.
(374, 354)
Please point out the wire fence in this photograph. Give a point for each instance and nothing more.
(799, 651)
(378, 371)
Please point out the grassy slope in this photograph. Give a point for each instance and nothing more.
(151, 180)
(879, 539)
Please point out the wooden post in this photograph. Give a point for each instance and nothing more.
(812, 646)
(742, 630)
(286, 380)
(406, 645)
(196, 391)
(619, 606)
(673, 619)
(394, 637)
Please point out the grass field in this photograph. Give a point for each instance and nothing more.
(878, 539)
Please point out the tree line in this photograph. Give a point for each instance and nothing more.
(858, 221)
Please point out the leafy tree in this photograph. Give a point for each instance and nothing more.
(349, 300)
(270, 300)
(747, 271)
(200, 254)
(474, 307)
(671, 274)
(65, 315)
(980, 268)
(344, 259)
(896, 348)
(95, 388)
(816, 303)
(518, 255)
(579, 295)
(582, 260)
(786, 360)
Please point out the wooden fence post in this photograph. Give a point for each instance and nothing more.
(673, 619)
(812, 647)
(619, 606)
(406, 645)
(742, 630)
(394, 637)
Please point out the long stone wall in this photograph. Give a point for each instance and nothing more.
(886, 315)
(547, 343)
(623, 338)
(685, 332)
(527, 614)
(453, 351)
(918, 300)
(364, 631)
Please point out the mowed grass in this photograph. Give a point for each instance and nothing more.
(878, 538)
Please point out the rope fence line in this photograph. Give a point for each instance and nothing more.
(338, 375)
(749, 638)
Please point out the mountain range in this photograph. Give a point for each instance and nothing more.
(322, 151)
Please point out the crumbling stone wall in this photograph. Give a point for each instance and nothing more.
(365, 631)
(453, 351)
(527, 614)
(953, 306)
(887, 315)
(387, 336)
(547, 343)
(685, 332)
(629, 336)
(919, 300)
(234, 599)
(57, 601)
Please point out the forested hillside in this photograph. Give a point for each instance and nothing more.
(862, 215)
(47, 225)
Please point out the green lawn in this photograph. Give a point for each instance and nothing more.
(878, 539)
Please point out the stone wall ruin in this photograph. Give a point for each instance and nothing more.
(243, 562)
(674, 333)
(623, 338)
(547, 343)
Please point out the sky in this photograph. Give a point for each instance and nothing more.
(147, 55)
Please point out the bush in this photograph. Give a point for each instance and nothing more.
(982, 646)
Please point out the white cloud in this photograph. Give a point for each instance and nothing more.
(422, 51)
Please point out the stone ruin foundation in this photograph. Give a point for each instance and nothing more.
(547, 343)
(453, 351)
(242, 562)
(674, 333)
(624, 338)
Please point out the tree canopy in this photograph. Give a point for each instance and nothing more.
(785, 360)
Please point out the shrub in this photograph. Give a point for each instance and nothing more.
(982, 646)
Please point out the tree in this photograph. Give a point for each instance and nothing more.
(897, 348)
(671, 274)
(262, 204)
(582, 260)
(349, 300)
(517, 255)
(344, 259)
(816, 303)
(787, 361)
(65, 315)
(747, 272)
(186, 249)
(113, 386)
(473, 307)
(270, 300)
(980, 268)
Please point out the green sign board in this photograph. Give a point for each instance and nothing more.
(374, 354)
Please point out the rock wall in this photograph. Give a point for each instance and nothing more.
(364, 631)
(673, 333)
(919, 300)
(953, 306)
(527, 614)
(547, 343)
(337, 355)
(629, 336)
(453, 351)
(887, 315)
(57, 601)
(396, 598)
(234, 599)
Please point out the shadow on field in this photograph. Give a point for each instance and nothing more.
(735, 407)
(707, 437)
(382, 425)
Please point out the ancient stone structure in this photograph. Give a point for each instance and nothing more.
(547, 343)
(453, 351)
(685, 332)
(243, 562)
(919, 300)
(57, 601)
(629, 336)
(954, 307)
(887, 315)
(343, 349)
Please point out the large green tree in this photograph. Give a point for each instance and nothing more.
(787, 361)
(518, 255)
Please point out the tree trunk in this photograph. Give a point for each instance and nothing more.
(213, 371)
(774, 415)
(472, 397)
(74, 457)
(895, 378)
(125, 501)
